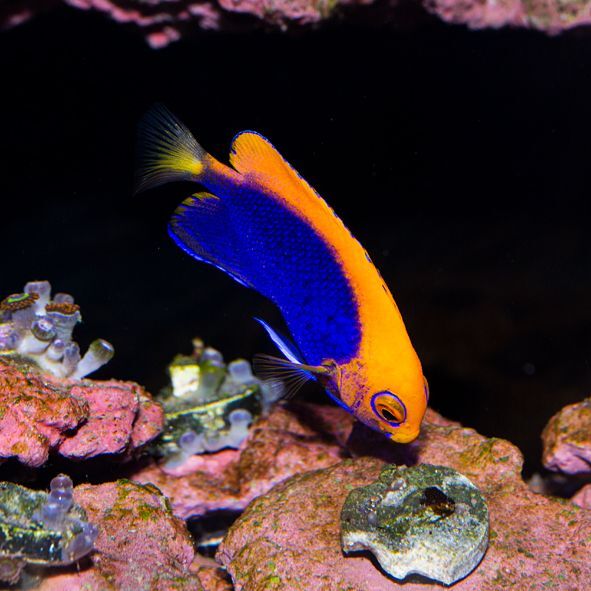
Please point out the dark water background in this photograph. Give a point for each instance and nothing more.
(461, 160)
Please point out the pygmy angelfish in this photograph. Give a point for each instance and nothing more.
(263, 225)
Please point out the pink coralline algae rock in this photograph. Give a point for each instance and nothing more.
(122, 417)
(583, 497)
(165, 21)
(79, 419)
(35, 415)
(288, 441)
(141, 546)
(212, 576)
(567, 439)
(289, 538)
(551, 16)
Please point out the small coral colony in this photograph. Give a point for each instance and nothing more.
(263, 225)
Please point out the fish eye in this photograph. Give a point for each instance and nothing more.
(389, 408)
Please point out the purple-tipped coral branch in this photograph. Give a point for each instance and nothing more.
(39, 329)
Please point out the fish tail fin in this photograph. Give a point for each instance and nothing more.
(167, 151)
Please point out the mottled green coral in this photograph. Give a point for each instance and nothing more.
(427, 519)
(25, 538)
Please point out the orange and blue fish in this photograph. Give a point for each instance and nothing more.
(261, 223)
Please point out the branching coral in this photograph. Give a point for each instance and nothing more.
(38, 329)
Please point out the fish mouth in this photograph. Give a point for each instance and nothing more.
(404, 437)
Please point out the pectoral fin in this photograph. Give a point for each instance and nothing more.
(293, 375)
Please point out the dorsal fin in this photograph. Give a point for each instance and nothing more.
(253, 154)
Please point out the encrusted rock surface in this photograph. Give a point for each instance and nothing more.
(583, 497)
(166, 21)
(79, 419)
(289, 538)
(567, 439)
(141, 546)
(212, 576)
(35, 415)
(122, 416)
(551, 16)
(288, 441)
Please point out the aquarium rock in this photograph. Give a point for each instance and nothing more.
(212, 576)
(551, 16)
(41, 529)
(288, 441)
(163, 22)
(37, 329)
(290, 537)
(35, 416)
(582, 498)
(78, 419)
(122, 418)
(141, 546)
(426, 520)
(567, 440)
(209, 405)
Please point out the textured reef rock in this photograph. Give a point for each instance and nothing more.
(79, 419)
(37, 528)
(427, 520)
(583, 497)
(122, 417)
(567, 440)
(551, 16)
(212, 576)
(289, 538)
(166, 21)
(140, 544)
(288, 441)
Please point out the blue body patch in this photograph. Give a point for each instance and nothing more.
(256, 240)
